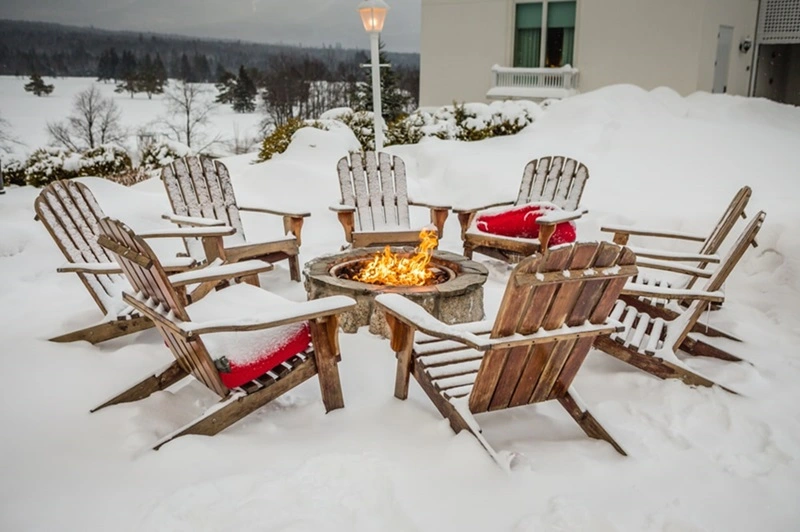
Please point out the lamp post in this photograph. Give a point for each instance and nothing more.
(373, 15)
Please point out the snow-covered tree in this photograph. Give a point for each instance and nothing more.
(37, 86)
(394, 100)
(244, 93)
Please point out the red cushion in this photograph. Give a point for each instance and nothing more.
(271, 357)
(520, 222)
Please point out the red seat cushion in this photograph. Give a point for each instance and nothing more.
(235, 371)
(520, 222)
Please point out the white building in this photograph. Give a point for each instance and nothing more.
(474, 50)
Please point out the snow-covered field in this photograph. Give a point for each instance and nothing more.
(699, 459)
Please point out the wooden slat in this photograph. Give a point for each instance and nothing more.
(374, 188)
(573, 200)
(561, 196)
(346, 182)
(365, 221)
(553, 177)
(401, 192)
(388, 190)
(527, 180)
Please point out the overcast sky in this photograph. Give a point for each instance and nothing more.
(307, 22)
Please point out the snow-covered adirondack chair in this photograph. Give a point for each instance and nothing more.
(655, 259)
(374, 206)
(245, 344)
(555, 305)
(553, 179)
(201, 193)
(652, 335)
(70, 213)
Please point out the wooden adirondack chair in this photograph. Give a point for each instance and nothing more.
(70, 213)
(655, 259)
(555, 305)
(374, 208)
(228, 322)
(555, 179)
(201, 193)
(652, 336)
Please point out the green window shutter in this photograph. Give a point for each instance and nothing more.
(529, 16)
(559, 14)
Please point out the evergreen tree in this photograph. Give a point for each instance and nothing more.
(113, 64)
(104, 66)
(160, 72)
(226, 85)
(201, 70)
(37, 86)
(185, 73)
(394, 100)
(244, 93)
(128, 75)
(148, 80)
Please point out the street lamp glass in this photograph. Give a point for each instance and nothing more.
(373, 15)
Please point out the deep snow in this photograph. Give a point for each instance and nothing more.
(700, 459)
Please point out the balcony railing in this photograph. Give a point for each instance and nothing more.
(510, 82)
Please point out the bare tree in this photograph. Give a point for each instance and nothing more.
(190, 106)
(95, 120)
(7, 140)
(241, 142)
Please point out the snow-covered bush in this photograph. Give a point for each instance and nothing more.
(361, 123)
(104, 161)
(46, 165)
(280, 138)
(14, 173)
(161, 153)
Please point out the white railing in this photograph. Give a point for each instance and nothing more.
(533, 82)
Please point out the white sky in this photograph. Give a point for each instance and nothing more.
(307, 22)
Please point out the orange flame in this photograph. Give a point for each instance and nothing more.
(390, 269)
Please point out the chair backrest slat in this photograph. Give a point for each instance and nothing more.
(714, 283)
(537, 372)
(375, 184)
(735, 209)
(555, 179)
(151, 282)
(70, 213)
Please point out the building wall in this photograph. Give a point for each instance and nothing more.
(644, 42)
(461, 40)
(741, 15)
(649, 43)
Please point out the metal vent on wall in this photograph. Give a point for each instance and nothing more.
(779, 22)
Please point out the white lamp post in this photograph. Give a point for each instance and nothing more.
(373, 15)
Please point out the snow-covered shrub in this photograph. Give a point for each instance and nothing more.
(280, 138)
(46, 165)
(104, 161)
(161, 153)
(14, 173)
(361, 123)
(131, 176)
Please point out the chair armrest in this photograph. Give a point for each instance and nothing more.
(193, 220)
(634, 289)
(177, 264)
(428, 205)
(677, 256)
(342, 208)
(265, 210)
(219, 273)
(308, 310)
(557, 217)
(669, 266)
(625, 232)
(190, 232)
(470, 210)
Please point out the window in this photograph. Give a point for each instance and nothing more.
(551, 44)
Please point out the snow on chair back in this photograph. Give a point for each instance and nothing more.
(70, 213)
(720, 275)
(376, 187)
(201, 187)
(568, 286)
(149, 281)
(555, 179)
(728, 220)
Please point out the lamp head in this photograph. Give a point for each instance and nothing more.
(373, 14)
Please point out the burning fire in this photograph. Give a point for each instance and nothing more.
(389, 269)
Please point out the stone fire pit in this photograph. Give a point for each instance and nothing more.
(456, 298)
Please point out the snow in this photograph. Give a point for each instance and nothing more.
(699, 459)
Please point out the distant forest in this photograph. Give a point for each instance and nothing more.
(55, 50)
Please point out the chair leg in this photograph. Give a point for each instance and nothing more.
(653, 365)
(237, 406)
(587, 422)
(106, 331)
(294, 268)
(154, 383)
(702, 349)
(403, 345)
(324, 334)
